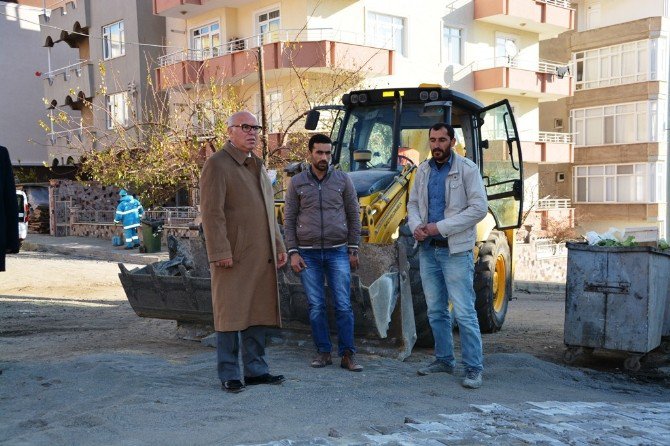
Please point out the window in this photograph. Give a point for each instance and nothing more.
(113, 41)
(386, 31)
(558, 123)
(617, 64)
(205, 40)
(267, 26)
(117, 110)
(620, 183)
(593, 15)
(273, 103)
(616, 124)
(451, 45)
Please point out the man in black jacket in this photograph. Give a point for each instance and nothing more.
(322, 229)
(9, 223)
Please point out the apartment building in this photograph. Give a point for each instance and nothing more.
(486, 48)
(103, 80)
(618, 115)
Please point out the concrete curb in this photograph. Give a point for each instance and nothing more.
(539, 287)
(95, 253)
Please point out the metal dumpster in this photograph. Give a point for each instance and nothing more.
(615, 300)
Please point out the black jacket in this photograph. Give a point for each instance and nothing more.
(9, 220)
(321, 214)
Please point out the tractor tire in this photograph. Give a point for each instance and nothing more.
(424, 335)
(493, 282)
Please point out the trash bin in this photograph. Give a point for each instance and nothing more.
(615, 300)
(152, 235)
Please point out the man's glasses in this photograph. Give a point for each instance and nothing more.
(246, 128)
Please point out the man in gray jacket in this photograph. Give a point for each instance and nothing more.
(445, 204)
(322, 228)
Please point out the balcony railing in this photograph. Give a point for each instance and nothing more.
(537, 65)
(559, 3)
(282, 35)
(69, 135)
(75, 69)
(555, 137)
(553, 203)
(181, 216)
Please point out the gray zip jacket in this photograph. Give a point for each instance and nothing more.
(321, 214)
(465, 203)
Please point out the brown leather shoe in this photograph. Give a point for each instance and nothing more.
(322, 360)
(348, 362)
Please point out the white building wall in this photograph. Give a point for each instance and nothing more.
(21, 56)
(613, 12)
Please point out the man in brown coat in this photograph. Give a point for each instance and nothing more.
(245, 248)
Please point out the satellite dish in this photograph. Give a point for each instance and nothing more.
(511, 50)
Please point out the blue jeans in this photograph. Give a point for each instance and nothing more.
(447, 279)
(333, 264)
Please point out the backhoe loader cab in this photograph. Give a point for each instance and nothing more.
(380, 136)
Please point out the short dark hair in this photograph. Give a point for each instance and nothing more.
(443, 125)
(319, 138)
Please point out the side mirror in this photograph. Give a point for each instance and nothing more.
(312, 119)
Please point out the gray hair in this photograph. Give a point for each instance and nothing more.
(232, 118)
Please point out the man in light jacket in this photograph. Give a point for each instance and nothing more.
(447, 201)
(322, 227)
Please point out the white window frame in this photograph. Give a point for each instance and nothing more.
(371, 31)
(609, 115)
(447, 57)
(117, 106)
(646, 182)
(213, 50)
(274, 34)
(107, 39)
(274, 103)
(611, 59)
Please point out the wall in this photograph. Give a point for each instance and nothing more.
(620, 11)
(548, 184)
(21, 54)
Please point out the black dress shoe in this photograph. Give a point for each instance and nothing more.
(232, 386)
(263, 379)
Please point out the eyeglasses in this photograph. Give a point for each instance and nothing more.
(246, 128)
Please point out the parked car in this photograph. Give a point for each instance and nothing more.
(23, 216)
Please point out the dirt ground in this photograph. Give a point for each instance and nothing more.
(78, 366)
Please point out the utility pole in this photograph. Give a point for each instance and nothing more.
(264, 119)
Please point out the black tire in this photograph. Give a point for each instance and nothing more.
(491, 302)
(424, 335)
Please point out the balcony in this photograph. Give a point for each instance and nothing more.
(319, 50)
(187, 9)
(67, 146)
(548, 147)
(532, 78)
(67, 15)
(548, 18)
(70, 85)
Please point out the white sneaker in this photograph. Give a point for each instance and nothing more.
(472, 380)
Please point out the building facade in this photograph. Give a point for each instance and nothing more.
(488, 49)
(22, 56)
(618, 115)
(104, 79)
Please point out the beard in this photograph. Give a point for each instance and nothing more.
(440, 155)
(321, 165)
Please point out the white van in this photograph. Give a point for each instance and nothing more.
(22, 200)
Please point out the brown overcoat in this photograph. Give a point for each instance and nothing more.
(237, 207)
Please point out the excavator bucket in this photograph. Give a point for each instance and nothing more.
(180, 289)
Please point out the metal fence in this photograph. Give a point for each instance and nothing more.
(181, 216)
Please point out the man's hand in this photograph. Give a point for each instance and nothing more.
(353, 260)
(225, 263)
(420, 233)
(431, 229)
(297, 263)
(281, 259)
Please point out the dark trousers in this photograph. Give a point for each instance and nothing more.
(253, 353)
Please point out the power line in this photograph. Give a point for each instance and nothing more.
(86, 35)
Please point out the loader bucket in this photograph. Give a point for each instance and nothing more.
(380, 295)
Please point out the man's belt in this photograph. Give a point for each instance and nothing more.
(439, 243)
